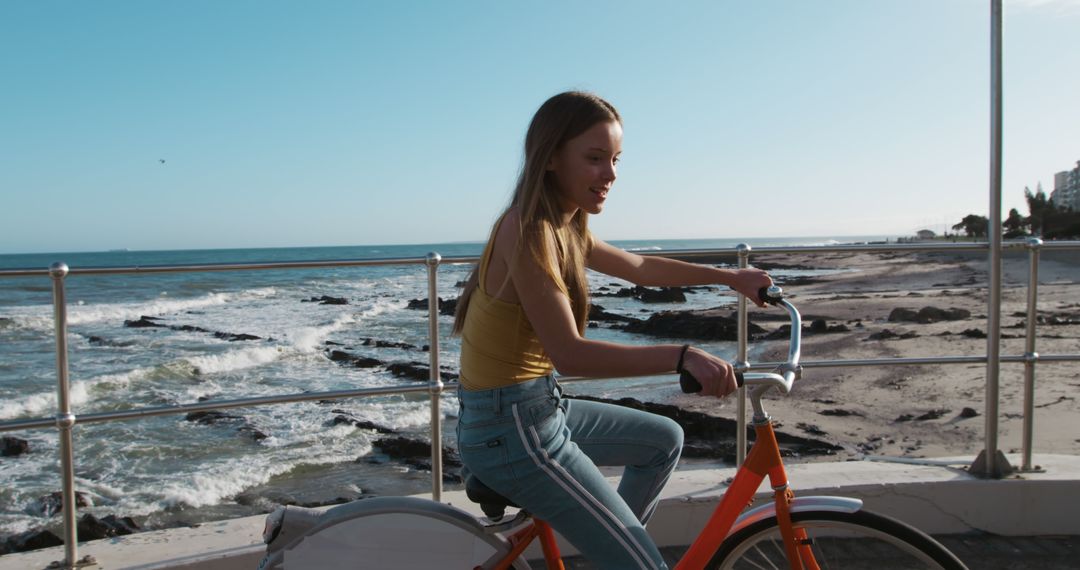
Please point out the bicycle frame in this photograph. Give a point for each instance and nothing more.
(521, 540)
(764, 460)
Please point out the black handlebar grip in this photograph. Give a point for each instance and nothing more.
(763, 295)
(690, 385)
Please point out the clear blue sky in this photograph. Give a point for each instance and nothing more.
(339, 123)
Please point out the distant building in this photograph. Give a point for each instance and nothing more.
(1067, 189)
(925, 234)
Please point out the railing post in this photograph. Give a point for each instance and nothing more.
(991, 462)
(741, 363)
(433, 260)
(65, 420)
(1030, 356)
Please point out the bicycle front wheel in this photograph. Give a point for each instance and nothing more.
(849, 540)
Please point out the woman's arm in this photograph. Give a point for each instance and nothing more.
(548, 310)
(662, 271)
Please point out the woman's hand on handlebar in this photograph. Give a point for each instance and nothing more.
(750, 281)
(716, 376)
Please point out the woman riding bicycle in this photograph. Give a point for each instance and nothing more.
(523, 314)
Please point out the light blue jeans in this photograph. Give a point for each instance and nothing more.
(542, 450)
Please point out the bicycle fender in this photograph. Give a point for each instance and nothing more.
(314, 523)
(799, 504)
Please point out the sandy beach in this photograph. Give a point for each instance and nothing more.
(918, 411)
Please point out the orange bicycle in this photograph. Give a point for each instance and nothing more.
(801, 533)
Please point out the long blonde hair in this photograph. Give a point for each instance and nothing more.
(536, 196)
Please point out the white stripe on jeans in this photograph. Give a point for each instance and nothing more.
(574, 488)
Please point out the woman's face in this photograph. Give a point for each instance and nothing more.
(584, 167)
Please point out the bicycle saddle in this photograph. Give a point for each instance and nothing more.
(491, 502)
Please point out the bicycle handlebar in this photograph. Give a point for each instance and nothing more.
(763, 381)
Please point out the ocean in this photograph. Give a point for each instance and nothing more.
(168, 471)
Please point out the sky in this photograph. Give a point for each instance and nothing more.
(219, 124)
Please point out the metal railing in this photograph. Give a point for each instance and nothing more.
(65, 420)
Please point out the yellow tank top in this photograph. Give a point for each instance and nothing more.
(498, 344)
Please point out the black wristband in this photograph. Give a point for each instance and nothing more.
(682, 355)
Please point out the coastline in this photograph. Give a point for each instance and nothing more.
(858, 409)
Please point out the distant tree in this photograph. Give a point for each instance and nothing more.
(973, 225)
(1014, 225)
(1048, 220)
(1038, 208)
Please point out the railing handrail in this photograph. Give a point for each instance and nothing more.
(138, 413)
(680, 253)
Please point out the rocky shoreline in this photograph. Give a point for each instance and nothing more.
(879, 306)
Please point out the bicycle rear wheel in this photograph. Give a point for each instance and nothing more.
(402, 533)
(849, 540)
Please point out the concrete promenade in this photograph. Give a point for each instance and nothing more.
(1024, 521)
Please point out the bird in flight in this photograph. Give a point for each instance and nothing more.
(161, 160)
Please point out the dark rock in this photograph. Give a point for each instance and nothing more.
(901, 314)
(818, 326)
(254, 433)
(13, 446)
(649, 295)
(417, 371)
(968, 413)
(927, 315)
(885, 334)
(189, 328)
(387, 344)
(214, 417)
(328, 502)
(415, 452)
(93, 528)
(841, 413)
(53, 503)
(932, 415)
(446, 306)
(101, 341)
(973, 333)
(696, 325)
(233, 337)
(597, 313)
(934, 314)
(150, 322)
(714, 437)
(30, 540)
(362, 424)
(662, 295)
(904, 418)
(451, 474)
(811, 429)
(326, 300)
(144, 322)
(342, 357)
